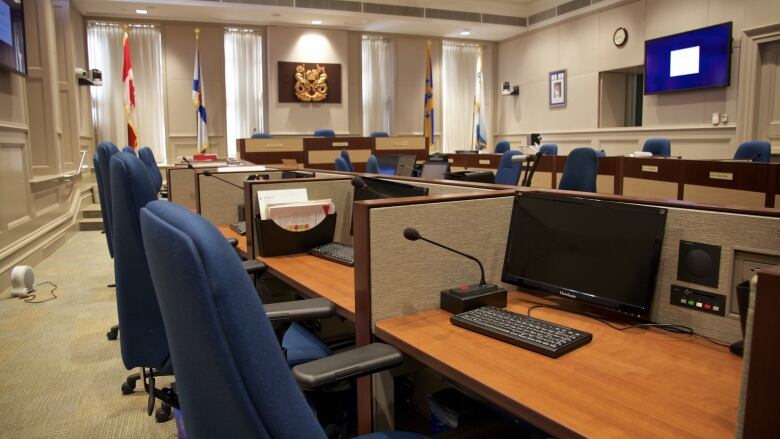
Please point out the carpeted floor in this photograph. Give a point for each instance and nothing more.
(59, 375)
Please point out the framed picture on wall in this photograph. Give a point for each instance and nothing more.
(557, 80)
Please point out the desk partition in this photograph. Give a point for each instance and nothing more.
(731, 183)
(218, 194)
(181, 181)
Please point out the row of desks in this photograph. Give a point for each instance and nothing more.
(638, 383)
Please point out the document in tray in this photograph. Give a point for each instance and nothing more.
(281, 196)
(255, 168)
(300, 217)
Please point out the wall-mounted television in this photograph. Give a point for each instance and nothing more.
(12, 42)
(690, 60)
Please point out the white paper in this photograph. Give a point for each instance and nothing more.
(265, 198)
(257, 168)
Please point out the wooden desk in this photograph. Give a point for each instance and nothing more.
(227, 232)
(317, 277)
(634, 383)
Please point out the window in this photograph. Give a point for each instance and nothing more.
(378, 56)
(105, 51)
(243, 85)
(459, 78)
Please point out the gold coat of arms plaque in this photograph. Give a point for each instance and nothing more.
(311, 85)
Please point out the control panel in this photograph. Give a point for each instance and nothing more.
(698, 300)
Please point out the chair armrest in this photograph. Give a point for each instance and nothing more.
(253, 266)
(299, 310)
(232, 241)
(357, 362)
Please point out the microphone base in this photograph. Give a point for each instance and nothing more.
(465, 298)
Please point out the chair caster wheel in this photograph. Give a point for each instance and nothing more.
(128, 387)
(162, 414)
(112, 334)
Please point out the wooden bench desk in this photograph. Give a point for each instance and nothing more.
(633, 383)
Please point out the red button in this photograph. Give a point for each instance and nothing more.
(707, 306)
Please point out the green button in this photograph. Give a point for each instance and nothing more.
(691, 302)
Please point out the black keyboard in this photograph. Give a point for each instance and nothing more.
(239, 227)
(335, 252)
(527, 332)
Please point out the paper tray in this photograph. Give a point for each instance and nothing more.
(273, 240)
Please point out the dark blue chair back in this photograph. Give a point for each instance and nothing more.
(508, 172)
(658, 147)
(755, 150)
(549, 149)
(502, 147)
(261, 136)
(372, 165)
(324, 132)
(341, 165)
(379, 134)
(147, 158)
(345, 156)
(129, 149)
(579, 174)
(231, 378)
(100, 161)
(143, 342)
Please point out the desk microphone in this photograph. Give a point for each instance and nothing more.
(522, 158)
(189, 163)
(465, 297)
(359, 183)
(529, 173)
(209, 174)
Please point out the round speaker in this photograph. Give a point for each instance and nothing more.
(698, 262)
(22, 281)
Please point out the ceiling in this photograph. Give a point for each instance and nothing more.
(251, 14)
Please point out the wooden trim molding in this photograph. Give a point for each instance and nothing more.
(749, 69)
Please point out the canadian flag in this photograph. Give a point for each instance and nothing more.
(129, 85)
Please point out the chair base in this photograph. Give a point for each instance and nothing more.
(113, 333)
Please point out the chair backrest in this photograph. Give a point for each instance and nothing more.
(143, 342)
(508, 172)
(549, 149)
(100, 161)
(379, 134)
(502, 147)
(345, 156)
(231, 377)
(658, 147)
(324, 132)
(341, 165)
(372, 165)
(755, 150)
(147, 158)
(129, 149)
(579, 174)
(261, 136)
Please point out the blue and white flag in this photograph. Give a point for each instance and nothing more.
(480, 129)
(199, 99)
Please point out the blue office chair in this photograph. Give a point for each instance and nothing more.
(100, 161)
(372, 165)
(147, 158)
(502, 147)
(261, 136)
(755, 150)
(345, 156)
(549, 149)
(324, 132)
(508, 172)
(129, 149)
(379, 134)
(658, 147)
(579, 174)
(231, 378)
(341, 165)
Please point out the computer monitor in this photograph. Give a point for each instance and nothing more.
(600, 252)
(405, 166)
(388, 189)
(287, 175)
(435, 170)
(387, 164)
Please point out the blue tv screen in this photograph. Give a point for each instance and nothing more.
(699, 58)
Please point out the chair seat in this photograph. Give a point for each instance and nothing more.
(302, 346)
(392, 435)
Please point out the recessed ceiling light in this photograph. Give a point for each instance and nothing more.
(465, 33)
(141, 11)
(316, 22)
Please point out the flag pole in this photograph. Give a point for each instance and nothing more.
(197, 109)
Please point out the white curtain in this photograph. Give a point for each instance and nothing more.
(243, 85)
(104, 47)
(378, 84)
(459, 76)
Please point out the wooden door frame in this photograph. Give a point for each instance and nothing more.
(750, 79)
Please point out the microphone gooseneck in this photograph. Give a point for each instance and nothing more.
(412, 234)
(208, 173)
(359, 183)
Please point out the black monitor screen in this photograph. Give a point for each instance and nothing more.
(388, 189)
(601, 252)
(12, 45)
